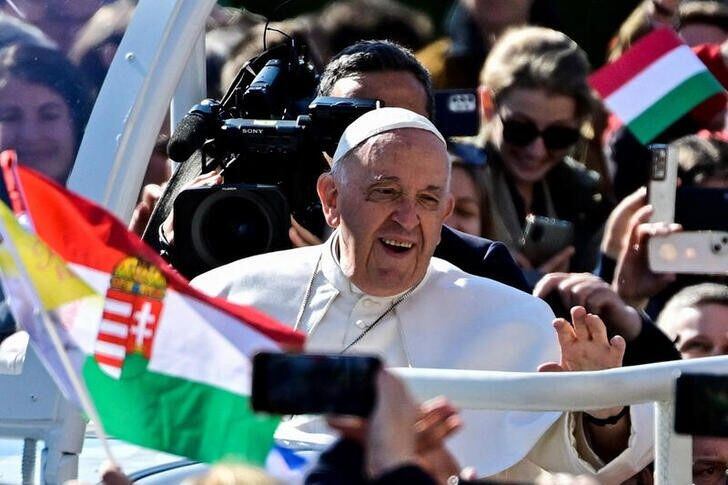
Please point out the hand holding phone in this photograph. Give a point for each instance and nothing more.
(543, 237)
(314, 383)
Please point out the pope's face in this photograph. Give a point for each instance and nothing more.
(389, 199)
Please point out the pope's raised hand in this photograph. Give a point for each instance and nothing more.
(585, 345)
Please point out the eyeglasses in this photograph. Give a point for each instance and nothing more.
(522, 133)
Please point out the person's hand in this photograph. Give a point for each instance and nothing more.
(559, 262)
(143, 211)
(437, 420)
(633, 281)
(390, 437)
(204, 180)
(112, 475)
(300, 236)
(586, 347)
(596, 296)
(616, 229)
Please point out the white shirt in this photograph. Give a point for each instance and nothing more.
(450, 320)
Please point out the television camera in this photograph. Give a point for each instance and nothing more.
(267, 137)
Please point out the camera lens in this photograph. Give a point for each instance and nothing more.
(233, 224)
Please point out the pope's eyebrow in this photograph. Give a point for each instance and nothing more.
(433, 188)
(385, 178)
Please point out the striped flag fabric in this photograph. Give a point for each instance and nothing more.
(166, 366)
(654, 83)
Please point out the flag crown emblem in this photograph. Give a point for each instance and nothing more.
(135, 276)
(132, 309)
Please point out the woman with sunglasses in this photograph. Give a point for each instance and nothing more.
(535, 99)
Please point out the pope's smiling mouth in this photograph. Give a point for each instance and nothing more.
(396, 246)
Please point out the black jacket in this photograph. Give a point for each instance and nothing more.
(343, 463)
(480, 257)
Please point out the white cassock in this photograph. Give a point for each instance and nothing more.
(450, 320)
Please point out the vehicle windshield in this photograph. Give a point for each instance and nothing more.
(54, 55)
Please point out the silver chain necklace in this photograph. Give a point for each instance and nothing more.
(307, 298)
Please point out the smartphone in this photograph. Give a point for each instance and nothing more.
(314, 383)
(662, 184)
(543, 237)
(702, 208)
(701, 405)
(457, 112)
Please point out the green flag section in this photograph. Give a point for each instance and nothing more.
(178, 416)
(166, 366)
(681, 99)
(654, 83)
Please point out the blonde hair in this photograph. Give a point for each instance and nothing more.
(539, 58)
(232, 474)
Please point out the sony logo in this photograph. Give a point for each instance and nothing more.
(252, 131)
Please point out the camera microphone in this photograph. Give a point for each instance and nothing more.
(194, 129)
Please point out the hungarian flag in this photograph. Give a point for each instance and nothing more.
(654, 84)
(166, 366)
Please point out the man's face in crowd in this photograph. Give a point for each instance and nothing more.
(701, 331)
(389, 199)
(710, 457)
(399, 89)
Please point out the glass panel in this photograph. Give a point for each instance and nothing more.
(54, 55)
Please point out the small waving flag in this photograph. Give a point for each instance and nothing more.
(654, 84)
(167, 367)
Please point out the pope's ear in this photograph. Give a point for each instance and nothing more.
(487, 106)
(328, 195)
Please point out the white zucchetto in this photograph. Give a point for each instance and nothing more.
(379, 121)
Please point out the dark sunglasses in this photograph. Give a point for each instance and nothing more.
(522, 133)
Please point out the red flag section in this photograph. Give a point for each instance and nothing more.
(84, 233)
(643, 53)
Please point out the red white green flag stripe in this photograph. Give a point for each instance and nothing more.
(167, 367)
(654, 84)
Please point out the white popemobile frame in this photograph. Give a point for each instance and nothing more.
(161, 55)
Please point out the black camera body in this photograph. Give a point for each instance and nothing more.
(268, 139)
(227, 222)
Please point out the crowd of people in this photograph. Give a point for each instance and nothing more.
(430, 258)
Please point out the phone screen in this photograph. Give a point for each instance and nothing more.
(702, 209)
(701, 405)
(314, 384)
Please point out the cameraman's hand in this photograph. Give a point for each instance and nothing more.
(616, 230)
(594, 294)
(300, 236)
(204, 180)
(151, 194)
(633, 281)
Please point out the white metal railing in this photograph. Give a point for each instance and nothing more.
(533, 391)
